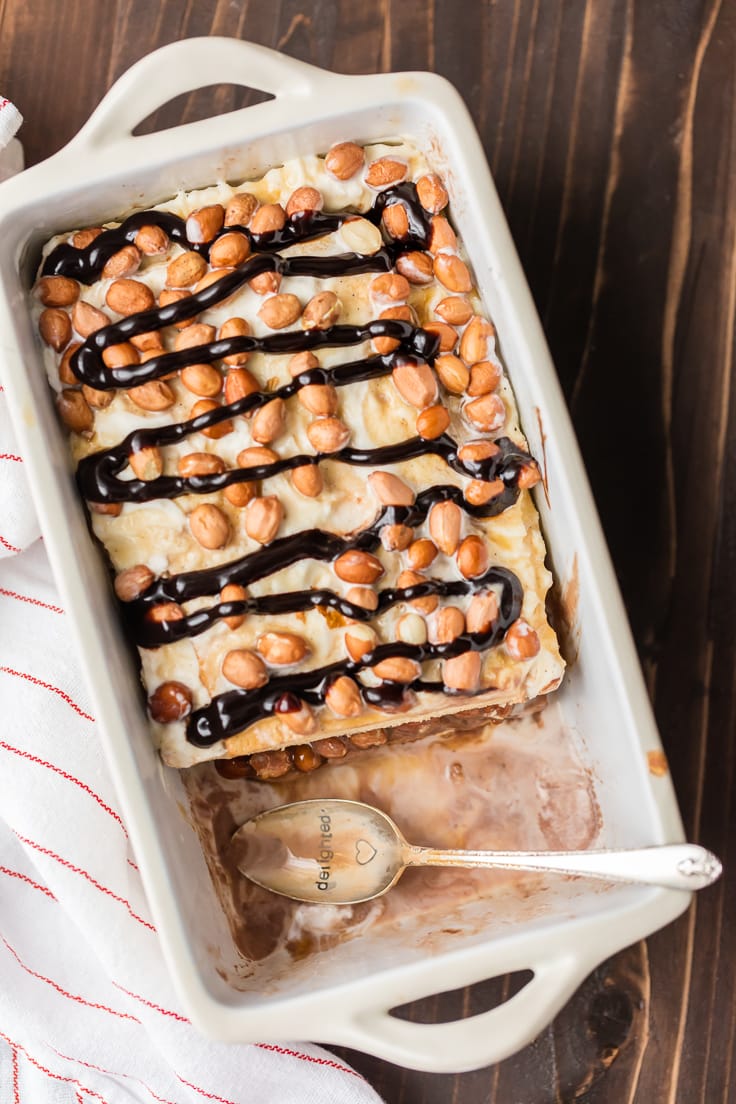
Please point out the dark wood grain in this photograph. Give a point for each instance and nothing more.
(611, 131)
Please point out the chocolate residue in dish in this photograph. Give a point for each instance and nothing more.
(511, 786)
(563, 603)
(543, 446)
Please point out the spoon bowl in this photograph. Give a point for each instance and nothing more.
(341, 852)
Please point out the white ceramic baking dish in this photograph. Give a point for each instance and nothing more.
(346, 997)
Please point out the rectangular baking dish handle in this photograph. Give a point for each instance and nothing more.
(475, 1041)
(185, 66)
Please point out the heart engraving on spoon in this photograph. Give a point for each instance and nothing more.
(364, 851)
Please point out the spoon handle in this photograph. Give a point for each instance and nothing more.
(674, 866)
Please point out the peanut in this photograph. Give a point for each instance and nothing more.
(363, 596)
(455, 310)
(147, 462)
(84, 238)
(75, 411)
(148, 342)
(487, 413)
(171, 701)
(412, 578)
(385, 171)
(462, 672)
(391, 490)
(151, 240)
(411, 629)
(239, 383)
(153, 395)
(233, 592)
(452, 273)
(197, 334)
(421, 553)
(328, 435)
(132, 582)
(265, 283)
(390, 288)
(302, 722)
(245, 668)
(57, 291)
(87, 319)
(482, 612)
(343, 697)
(478, 450)
(270, 764)
(166, 297)
(307, 480)
(360, 640)
(213, 277)
(229, 251)
(240, 494)
(344, 160)
(374, 738)
(235, 327)
(441, 236)
(416, 267)
(240, 209)
(304, 199)
(396, 538)
(280, 311)
(129, 297)
(268, 219)
(355, 566)
(445, 519)
(397, 669)
(209, 526)
(416, 383)
(472, 557)
(203, 225)
(302, 362)
(120, 356)
(361, 236)
(332, 747)
(446, 334)
(485, 377)
(432, 422)
(263, 517)
(529, 476)
(395, 221)
(185, 270)
(281, 649)
(269, 421)
(256, 456)
(319, 399)
(65, 369)
(475, 344)
(321, 312)
(454, 376)
(112, 509)
(98, 399)
(449, 624)
(521, 640)
(55, 328)
(200, 463)
(385, 345)
(164, 611)
(204, 406)
(123, 263)
(202, 379)
(432, 193)
(478, 492)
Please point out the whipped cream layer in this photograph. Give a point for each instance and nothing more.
(157, 533)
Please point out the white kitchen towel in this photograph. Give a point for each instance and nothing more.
(87, 1010)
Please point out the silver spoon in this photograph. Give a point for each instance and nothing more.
(342, 852)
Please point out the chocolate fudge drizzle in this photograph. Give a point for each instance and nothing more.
(98, 474)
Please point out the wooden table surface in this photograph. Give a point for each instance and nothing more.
(610, 129)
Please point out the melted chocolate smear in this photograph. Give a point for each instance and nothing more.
(235, 710)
